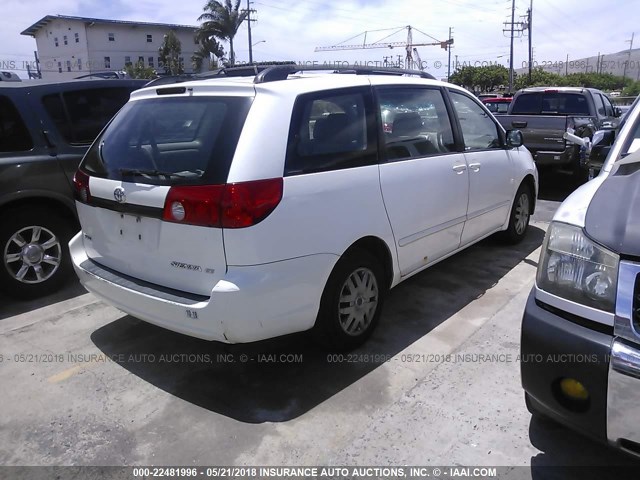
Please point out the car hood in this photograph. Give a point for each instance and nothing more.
(613, 217)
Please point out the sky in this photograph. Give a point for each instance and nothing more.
(292, 30)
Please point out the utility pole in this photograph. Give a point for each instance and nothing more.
(512, 30)
(249, 11)
(450, 47)
(513, 11)
(624, 72)
(529, 20)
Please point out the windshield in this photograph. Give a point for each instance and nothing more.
(165, 141)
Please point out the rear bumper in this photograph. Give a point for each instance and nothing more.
(249, 304)
(565, 157)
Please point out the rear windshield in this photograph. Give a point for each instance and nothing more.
(497, 107)
(168, 141)
(550, 103)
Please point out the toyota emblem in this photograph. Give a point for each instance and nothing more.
(119, 195)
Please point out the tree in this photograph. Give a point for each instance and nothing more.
(208, 47)
(484, 79)
(222, 20)
(169, 54)
(140, 71)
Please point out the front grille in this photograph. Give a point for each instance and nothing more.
(636, 305)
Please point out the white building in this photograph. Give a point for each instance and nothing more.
(72, 46)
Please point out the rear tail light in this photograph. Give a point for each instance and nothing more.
(81, 186)
(234, 205)
(195, 205)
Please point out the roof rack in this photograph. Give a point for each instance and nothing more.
(281, 72)
(272, 73)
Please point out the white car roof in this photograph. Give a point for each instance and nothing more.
(295, 84)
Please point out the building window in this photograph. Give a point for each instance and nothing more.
(68, 65)
(149, 38)
(59, 67)
(64, 39)
(141, 60)
(151, 62)
(55, 40)
(77, 37)
(112, 37)
(79, 64)
(127, 61)
(107, 62)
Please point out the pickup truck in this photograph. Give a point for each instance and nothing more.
(544, 114)
(580, 343)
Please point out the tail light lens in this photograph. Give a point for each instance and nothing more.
(195, 205)
(248, 203)
(81, 186)
(234, 205)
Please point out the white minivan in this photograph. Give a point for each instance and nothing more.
(244, 207)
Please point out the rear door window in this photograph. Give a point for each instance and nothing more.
(332, 130)
(170, 140)
(14, 135)
(80, 115)
(597, 98)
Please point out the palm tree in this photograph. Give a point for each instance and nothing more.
(222, 20)
(208, 47)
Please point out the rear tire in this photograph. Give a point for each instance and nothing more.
(519, 216)
(351, 302)
(34, 251)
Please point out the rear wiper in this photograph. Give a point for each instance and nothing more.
(148, 173)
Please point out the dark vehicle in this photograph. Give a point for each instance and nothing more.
(45, 129)
(603, 141)
(497, 105)
(544, 114)
(580, 346)
(104, 75)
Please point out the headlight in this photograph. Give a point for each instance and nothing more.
(574, 267)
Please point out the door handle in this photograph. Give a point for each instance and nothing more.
(517, 124)
(459, 168)
(475, 166)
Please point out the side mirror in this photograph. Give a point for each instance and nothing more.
(514, 138)
(617, 112)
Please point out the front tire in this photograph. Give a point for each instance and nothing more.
(351, 303)
(519, 216)
(34, 251)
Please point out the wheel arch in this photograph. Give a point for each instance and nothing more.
(530, 182)
(42, 201)
(379, 249)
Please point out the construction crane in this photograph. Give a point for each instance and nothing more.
(408, 45)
